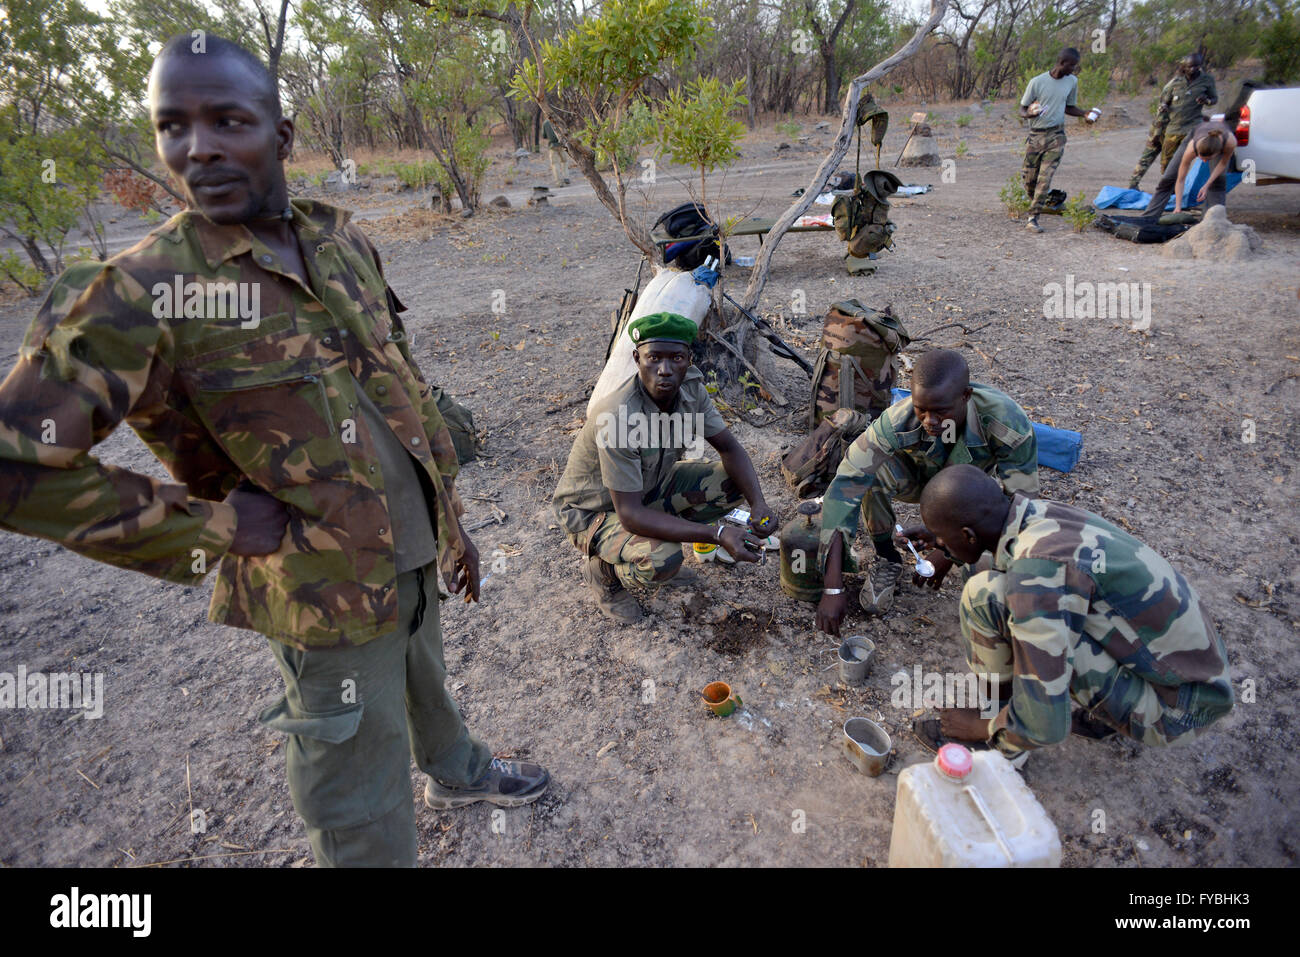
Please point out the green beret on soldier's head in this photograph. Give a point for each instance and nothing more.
(663, 327)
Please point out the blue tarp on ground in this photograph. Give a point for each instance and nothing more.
(1116, 197)
(1057, 448)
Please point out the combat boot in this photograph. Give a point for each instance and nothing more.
(877, 595)
(613, 600)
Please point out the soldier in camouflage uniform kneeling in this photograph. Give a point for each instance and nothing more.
(947, 420)
(255, 347)
(628, 502)
(1072, 610)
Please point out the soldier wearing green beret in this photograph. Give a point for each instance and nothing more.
(627, 499)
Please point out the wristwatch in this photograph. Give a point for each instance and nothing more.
(832, 591)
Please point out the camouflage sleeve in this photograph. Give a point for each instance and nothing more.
(1047, 604)
(88, 358)
(1017, 466)
(842, 503)
(1166, 100)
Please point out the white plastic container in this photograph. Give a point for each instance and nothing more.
(969, 810)
(669, 291)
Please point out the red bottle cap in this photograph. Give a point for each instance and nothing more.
(954, 761)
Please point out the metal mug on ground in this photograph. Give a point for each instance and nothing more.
(720, 699)
(867, 745)
(855, 656)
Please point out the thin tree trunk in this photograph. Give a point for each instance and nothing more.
(758, 275)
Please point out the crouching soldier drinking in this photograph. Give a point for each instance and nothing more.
(1073, 610)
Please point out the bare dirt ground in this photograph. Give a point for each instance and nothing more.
(643, 779)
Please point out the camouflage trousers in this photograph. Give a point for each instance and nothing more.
(1155, 140)
(897, 479)
(355, 716)
(1106, 689)
(695, 491)
(1169, 147)
(1043, 152)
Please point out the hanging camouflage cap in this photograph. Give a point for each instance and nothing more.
(663, 327)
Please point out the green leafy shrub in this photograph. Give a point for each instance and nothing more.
(1014, 197)
(788, 128)
(1078, 213)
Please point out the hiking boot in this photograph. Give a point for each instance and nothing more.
(613, 600)
(929, 732)
(1033, 226)
(507, 783)
(877, 595)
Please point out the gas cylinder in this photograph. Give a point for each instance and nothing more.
(800, 542)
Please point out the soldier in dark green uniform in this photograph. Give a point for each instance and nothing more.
(1072, 610)
(1189, 91)
(627, 501)
(1155, 136)
(555, 153)
(948, 420)
(255, 347)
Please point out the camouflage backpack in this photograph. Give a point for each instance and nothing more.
(810, 465)
(856, 368)
(862, 219)
(858, 362)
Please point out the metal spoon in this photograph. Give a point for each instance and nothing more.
(923, 568)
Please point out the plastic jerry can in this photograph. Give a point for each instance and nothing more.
(969, 810)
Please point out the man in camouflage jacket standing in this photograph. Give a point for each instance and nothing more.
(255, 347)
(1073, 609)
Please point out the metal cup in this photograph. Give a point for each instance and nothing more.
(855, 656)
(867, 745)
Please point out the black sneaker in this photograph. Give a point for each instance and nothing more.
(507, 783)
(1033, 226)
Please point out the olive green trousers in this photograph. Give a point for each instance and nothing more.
(355, 716)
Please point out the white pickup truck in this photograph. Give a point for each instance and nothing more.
(1268, 136)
